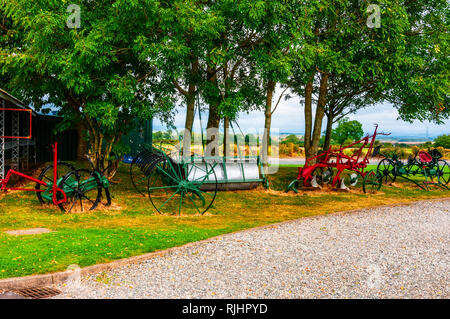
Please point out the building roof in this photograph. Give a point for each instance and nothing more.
(15, 101)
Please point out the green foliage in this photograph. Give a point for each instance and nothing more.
(347, 131)
(93, 73)
(443, 141)
(138, 59)
(292, 138)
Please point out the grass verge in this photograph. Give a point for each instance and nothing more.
(131, 227)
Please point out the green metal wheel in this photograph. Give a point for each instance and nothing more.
(83, 189)
(47, 175)
(387, 170)
(372, 182)
(443, 172)
(176, 188)
(142, 166)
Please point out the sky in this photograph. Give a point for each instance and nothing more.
(289, 118)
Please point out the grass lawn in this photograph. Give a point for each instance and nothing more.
(131, 227)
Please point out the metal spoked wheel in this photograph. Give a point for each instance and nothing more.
(386, 169)
(443, 172)
(372, 182)
(83, 189)
(47, 175)
(188, 188)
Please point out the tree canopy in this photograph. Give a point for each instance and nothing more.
(132, 60)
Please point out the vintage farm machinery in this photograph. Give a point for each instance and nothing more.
(179, 184)
(428, 165)
(328, 168)
(62, 184)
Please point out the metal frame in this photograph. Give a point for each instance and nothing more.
(55, 189)
(2, 141)
(16, 138)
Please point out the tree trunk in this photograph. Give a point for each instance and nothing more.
(212, 131)
(100, 150)
(329, 129)
(190, 96)
(267, 122)
(226, 136)
(82, 140)
(308, 117)
(320, 112)
(190, 113)
(212, 127)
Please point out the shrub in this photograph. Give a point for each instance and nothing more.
(442, 141)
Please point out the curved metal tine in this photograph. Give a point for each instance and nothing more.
(151, 161)
(148, 163)
(74, 200)
(144, 157)
(151, 166)
(143, 160)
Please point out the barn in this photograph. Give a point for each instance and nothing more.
(17, 144)
(26, 136)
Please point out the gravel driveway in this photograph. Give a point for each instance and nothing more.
(387, 252)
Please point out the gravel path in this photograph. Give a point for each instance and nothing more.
(387, 252)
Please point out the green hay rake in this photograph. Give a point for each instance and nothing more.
(189, 184)
(428, 165)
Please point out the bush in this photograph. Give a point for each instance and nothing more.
(398, 152)
(290, 149)
(442, 141)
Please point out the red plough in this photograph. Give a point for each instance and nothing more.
(328, 167)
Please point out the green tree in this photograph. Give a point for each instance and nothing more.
(291, 138)
(347, 130)
(422, 92)
(281, 27)
(443, 141)
(345, 97)
(94, 73)
(341, 46)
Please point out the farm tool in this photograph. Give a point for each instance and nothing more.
(64, 185)
(428, 165)
(189, 184)
(328, 167)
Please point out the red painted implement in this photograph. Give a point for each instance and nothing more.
(65, 186)
(328, 167)
(54, 188)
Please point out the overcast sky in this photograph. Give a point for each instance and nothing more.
(289, 118)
